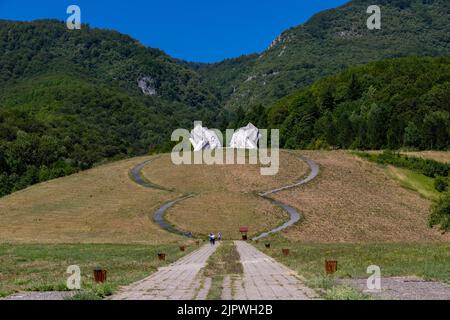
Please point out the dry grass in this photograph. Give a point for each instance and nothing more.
(236, 178)
(226, 194)
(101, 205)
(226, 212)
(441, 156)
(353, 200)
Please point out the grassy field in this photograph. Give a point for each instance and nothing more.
(33, 267)
(226, 195)
(351, 200)
(415, 181)
(101, 218)
(244, 178)
(225, 212)
(101, 205)
(441, 156)
(427, 260)
(354, 200)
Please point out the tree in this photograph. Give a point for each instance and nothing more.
(325, 128)
(440, 213)
(411, 137)
(257, 116)
(436, 130)
(328, 101)
(376, 127)
(239, 117)
(345, 129)
(354, 91)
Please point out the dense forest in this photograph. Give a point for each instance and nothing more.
(396, 103)
(70, 100)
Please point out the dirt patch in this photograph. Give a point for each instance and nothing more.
(353, 200)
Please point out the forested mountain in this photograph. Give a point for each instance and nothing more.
(47, 46)
(396, 103)
(334, 40)
(71, 99)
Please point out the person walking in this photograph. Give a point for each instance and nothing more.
(219, 236)
(213, 239)
(210, 238)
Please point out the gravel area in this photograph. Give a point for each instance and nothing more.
(404, 288)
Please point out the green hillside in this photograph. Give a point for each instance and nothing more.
(393, 103)
(47, 46)
(70, 100)
(334, 40)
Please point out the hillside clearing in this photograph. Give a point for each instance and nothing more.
(354, 200)
(101, 205)
(226, 212)
(225, 194)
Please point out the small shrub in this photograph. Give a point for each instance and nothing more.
(440, 213)
(325, 283)
(103, 290)
(429, 168)
(441, 184)
(344, 292)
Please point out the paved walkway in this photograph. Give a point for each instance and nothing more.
(266, 279)
(314, 167)
(294, 215)
(158, 215)
(178, 281)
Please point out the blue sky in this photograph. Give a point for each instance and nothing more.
(196, 30)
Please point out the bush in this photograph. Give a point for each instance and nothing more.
(440, 213)
(441, 184)
(430, 168)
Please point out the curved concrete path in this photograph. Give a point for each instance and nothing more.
(294, 215)
(158, 216)
(136, 176)
(314, 167)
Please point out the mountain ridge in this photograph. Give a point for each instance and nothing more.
(334, 39)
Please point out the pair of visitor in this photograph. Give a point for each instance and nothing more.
(212, 238)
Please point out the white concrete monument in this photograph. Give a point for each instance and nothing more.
(246, 138)
(203, 138)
